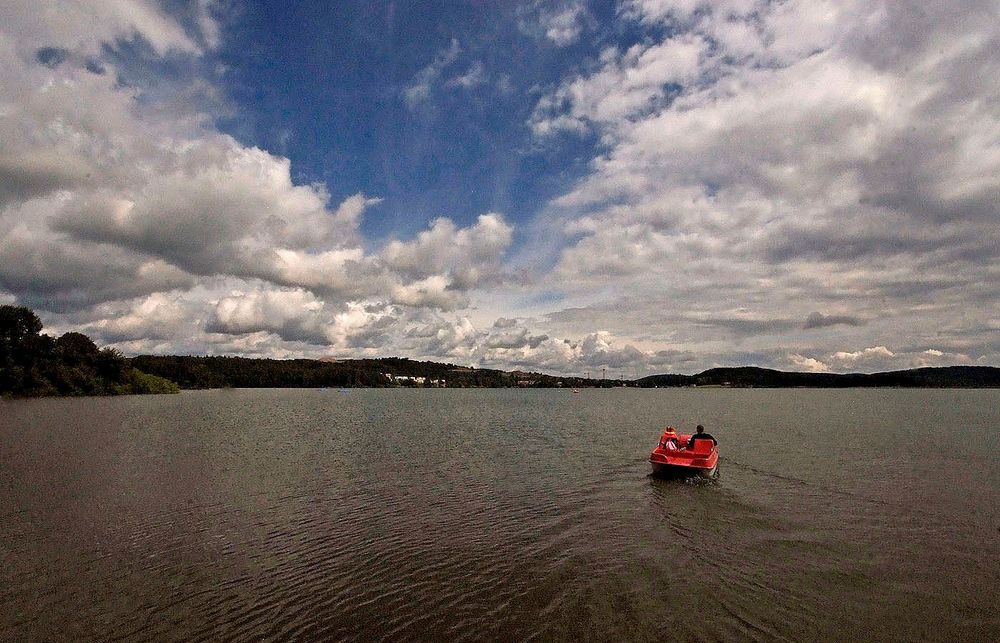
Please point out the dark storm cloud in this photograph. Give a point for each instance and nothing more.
(105, 337)
(293, 330)
(290, 332)
(625, 357)
(903, 289)
(193, 226)
(375, 334)
(748, 327)
(817, 319)
(913, 26)
(519, 339)
(646, 315)
(56, 276)
(673, 359)
(842, 244)
(94, 66)
(43, 172)
(51, 57)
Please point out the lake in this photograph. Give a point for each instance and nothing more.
(500, 514)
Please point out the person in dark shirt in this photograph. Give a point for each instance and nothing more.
(701, 435)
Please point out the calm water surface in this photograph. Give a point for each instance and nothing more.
(499, 514)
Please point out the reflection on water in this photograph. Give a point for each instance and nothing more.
(499, 514)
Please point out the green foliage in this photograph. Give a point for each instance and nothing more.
(242, 372)
(20, 345)
(32, 364)
(76, 348)
(17, 324)
(140, 383)
(216, 372)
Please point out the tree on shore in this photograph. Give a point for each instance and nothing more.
(33, 364)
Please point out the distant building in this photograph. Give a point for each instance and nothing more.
(414, 380)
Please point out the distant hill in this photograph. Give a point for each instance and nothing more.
(751, 376)
(241, 372)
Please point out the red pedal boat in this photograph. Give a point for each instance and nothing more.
(700, 460)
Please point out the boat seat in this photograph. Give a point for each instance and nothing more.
(702, 446)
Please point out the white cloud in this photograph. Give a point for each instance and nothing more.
(419, 91)
(158, 316)
(630, 84)
(107, 199)
(291, 313)
(474, 77)
(873, 353)
(808, 364)
(757, 163)
(153, 231)
(82, 26)
(219, 207)
(677, 12)
(561, 22)
(781, 162)
(468, 255)
(933, 357)
(880, 358)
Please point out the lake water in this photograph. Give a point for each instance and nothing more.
(500, 514)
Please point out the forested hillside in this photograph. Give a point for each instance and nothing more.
(749, 376)
(33, 364)
(216, 372)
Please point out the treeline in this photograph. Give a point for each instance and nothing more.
(239, 372)
(743, 377)
(33, 364)
(192, 372)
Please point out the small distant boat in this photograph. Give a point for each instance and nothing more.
(576, 390)
(701, 460)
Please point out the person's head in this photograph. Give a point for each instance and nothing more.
(700, 429)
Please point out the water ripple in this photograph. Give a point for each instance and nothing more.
(471, 515)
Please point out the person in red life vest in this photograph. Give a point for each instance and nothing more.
(669, 439)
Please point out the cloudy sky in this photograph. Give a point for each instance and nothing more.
(645, 186)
